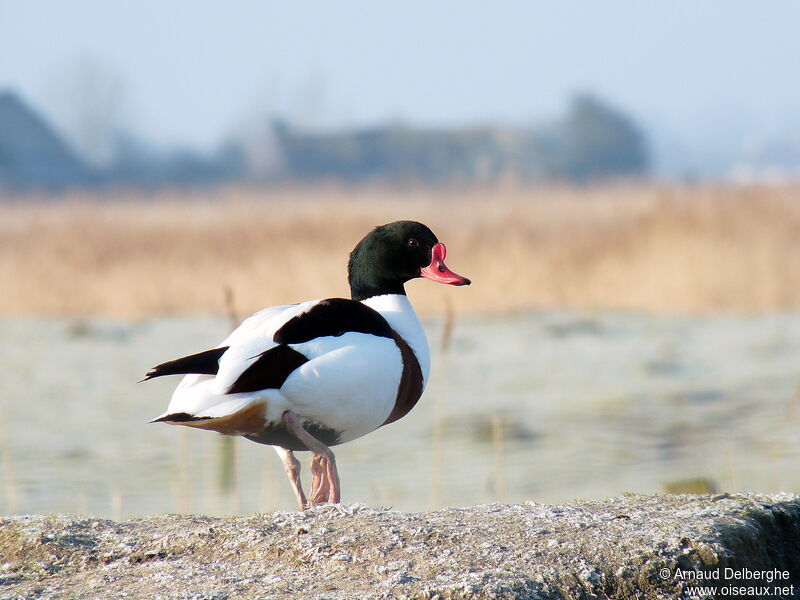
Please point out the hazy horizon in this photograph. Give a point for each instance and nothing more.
(703, 80)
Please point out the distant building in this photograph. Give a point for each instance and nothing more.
(400, 152)
(593, 141)
(32, 154)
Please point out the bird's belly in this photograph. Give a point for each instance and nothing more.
(344, 392)
(276, 434)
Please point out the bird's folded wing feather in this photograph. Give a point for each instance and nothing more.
(266, 348)
(248, 342)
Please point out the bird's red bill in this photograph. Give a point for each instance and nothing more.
(438, 271)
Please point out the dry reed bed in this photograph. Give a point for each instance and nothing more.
(657, 248)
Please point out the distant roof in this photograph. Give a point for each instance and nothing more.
(31, 152)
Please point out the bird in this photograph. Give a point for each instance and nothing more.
(308, 376)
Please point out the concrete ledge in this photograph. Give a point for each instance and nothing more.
(628, 547)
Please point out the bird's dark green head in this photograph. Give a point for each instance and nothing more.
(392, 254)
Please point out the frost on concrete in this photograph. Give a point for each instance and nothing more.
(627, 547)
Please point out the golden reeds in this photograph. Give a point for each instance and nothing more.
(657, 247)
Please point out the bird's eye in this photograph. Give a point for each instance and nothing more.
(413, 243)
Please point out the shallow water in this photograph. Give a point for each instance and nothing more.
(543, 406)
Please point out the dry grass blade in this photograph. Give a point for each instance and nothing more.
(9, 479)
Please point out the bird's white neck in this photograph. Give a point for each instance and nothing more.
(399, 313)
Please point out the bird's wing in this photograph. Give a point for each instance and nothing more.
(252, 344)
(267, 348)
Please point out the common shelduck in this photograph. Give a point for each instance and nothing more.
(312, 375)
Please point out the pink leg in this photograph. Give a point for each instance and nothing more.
(292, 467)
(325, 485)
(332, 490)
(320, 487)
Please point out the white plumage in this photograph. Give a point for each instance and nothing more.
(349, 382)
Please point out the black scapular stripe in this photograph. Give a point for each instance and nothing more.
(202, 363)
(270, 370)
(333, 317)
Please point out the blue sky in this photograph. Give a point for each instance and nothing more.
(694, 73)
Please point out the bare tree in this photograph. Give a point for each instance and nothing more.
(88, 100)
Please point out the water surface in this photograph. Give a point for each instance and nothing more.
(544, 406)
